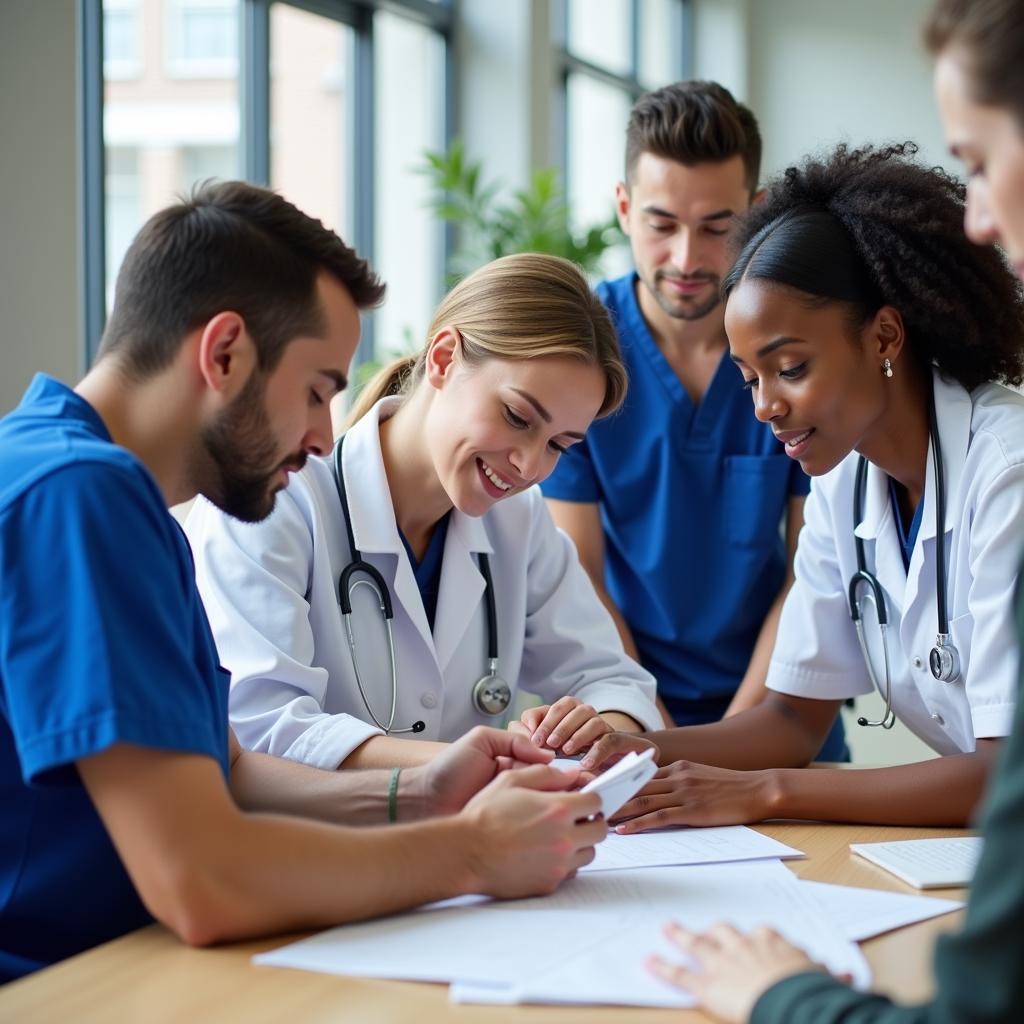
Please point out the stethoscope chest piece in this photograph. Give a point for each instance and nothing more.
(491, 694)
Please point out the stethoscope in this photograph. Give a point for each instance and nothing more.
(944, 660)
(491, 695)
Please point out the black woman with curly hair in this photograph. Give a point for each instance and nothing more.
(876, 340)
(979, 79)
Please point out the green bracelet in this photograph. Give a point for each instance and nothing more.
(393, 794)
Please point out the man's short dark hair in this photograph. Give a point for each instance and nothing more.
(693, 123)
(229, 246)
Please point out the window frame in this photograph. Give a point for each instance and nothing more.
(568, 64)
(253, 74)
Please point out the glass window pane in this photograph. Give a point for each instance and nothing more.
(202, 38)
(661, 42)
(596, 117)
(310, 130)
(161, 134)
(408, 121)
(601, 32)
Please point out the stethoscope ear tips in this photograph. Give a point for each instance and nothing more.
(862, 720)
(419, 726)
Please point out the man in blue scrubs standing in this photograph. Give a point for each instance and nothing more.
(123, 795)
(675, 503)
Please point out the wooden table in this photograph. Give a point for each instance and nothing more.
(149, 976)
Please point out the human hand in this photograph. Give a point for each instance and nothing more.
(527, 833)
(614, 747)
(730, 971)
(684, 793)
(458, 773)
(568, 725)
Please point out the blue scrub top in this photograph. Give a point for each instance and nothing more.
(428, 572)
(691, 499)
(103, 639)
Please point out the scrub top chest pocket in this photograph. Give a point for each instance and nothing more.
(754, 485)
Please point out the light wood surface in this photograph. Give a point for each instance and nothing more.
(150, 976)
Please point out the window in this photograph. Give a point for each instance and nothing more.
(329, 101)
(122, 39)
(160, 135)
(611, 51)
(202, 38)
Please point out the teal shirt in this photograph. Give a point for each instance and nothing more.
(979, 972)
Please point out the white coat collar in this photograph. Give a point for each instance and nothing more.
(953, 409)
(374, 524)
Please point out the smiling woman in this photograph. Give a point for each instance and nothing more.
(428, 512)
(874, 338)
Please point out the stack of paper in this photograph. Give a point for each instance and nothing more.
(587, 943)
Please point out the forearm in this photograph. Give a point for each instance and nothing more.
(621, 722)
(751, 690)
(298, 874)
(774, 734)
(390, 752)
(625, 633)
(942, 792)
(262, 783)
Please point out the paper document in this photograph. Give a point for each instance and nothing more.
(586, 943)
(686, 846)
(623, 780)
(926, 863)
(613, 971)
(863, 913)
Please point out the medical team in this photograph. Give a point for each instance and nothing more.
(873, 339)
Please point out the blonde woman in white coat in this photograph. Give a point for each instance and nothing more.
(438, 469)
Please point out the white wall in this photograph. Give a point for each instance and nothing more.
(820, 71)
(38, 179)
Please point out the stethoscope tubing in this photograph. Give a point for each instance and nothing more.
(944, 659)
(491, 695)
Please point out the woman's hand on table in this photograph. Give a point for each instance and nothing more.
(684, 793)
(728, 971)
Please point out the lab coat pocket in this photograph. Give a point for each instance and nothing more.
(755, 496)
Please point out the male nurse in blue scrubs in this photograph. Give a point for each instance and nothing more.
(124, 796)
(675, 503)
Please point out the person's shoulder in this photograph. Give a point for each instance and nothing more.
(77, 470)
(616, 294)
(997, 424)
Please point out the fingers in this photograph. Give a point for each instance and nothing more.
(582, 735)
(675, 974)
(667, 817)
(531, 718)
(544, 778)
(505, 743)
(562, 708)
(518, 729)
(612, 747)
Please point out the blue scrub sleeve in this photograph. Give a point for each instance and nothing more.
(573, 478)
(103, 635)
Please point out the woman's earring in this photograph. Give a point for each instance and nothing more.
(887, 367)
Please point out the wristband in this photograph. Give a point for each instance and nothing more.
(393, 795)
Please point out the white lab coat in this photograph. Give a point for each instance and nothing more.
(816, 652)
(270, 591)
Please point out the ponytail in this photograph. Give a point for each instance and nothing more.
(393, 379)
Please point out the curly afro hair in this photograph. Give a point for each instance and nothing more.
(871, 227)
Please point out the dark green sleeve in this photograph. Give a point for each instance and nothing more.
(979, 972)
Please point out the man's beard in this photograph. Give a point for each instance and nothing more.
(241, 447)
(680, 310)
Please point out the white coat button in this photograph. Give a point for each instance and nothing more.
(938, 719)
(429, 699)
(917, 663)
